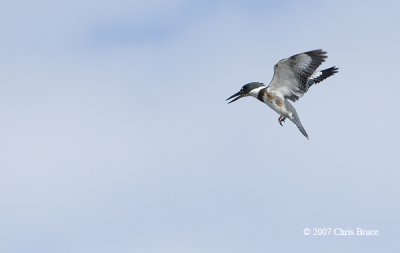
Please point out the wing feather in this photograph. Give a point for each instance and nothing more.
(292, 74)
(319, 76)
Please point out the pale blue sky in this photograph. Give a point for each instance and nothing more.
(116, 137)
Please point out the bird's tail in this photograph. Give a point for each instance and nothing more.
(297, 122)
(319, 76)
(295, 119)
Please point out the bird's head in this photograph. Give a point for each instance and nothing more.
(247, 90)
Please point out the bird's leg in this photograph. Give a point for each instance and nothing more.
(281, 119)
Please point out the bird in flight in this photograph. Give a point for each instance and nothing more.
(292, 78)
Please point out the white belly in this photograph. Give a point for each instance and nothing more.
(281, 110)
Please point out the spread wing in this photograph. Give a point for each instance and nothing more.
(292, 74)
(319, 76)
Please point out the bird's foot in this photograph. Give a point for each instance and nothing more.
(281, 119)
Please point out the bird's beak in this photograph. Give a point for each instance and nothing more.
(235, 97)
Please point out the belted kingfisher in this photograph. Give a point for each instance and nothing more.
(292, 78)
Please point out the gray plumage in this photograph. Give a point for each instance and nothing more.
(291, 75)
(295, 119)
